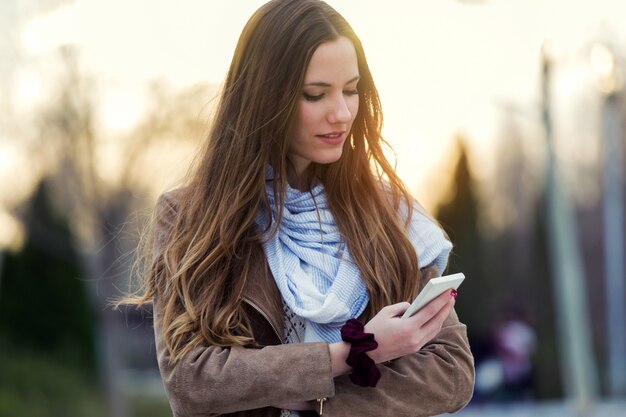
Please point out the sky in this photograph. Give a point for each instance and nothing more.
(442, 67)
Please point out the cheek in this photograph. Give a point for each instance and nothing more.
(307, 116)
(353, 106)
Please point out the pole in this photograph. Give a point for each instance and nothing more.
(578, 370)
(613, 207)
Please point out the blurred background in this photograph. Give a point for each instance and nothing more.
(507, 118)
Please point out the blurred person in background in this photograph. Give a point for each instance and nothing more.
(292, 224)
(504, 368)
(515, 342)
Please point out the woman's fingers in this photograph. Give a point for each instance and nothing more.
(432, 309)
(436, 322)
(398, 337)
(395, 310)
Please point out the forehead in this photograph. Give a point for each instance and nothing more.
(333, 62)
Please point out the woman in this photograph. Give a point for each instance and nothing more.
(291, 224)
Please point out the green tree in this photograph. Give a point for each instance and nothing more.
(459, 218)
(46, 323)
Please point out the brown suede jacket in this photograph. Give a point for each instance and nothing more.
(245, 382)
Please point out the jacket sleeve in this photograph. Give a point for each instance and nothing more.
(437, 379)
(212, 380)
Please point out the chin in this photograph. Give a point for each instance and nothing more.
(329, 158)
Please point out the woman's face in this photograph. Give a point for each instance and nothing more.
(327, 106)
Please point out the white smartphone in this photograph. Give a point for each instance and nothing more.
(432, 290)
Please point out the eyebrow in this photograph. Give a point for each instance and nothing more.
(323, 84)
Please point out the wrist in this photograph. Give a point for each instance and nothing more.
(374, 352)
(338, 353)
(364, 373)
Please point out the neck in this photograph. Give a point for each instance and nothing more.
(298, 178)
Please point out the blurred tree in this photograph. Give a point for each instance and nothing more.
(68, 133)
(507, 271)
(46, 323)
(459, 217)
(37, 277)
(541, 307)
(99, 204)
(518, 252)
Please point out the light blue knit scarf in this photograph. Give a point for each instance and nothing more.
(313, 269)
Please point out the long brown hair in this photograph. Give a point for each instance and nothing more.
(202, 270)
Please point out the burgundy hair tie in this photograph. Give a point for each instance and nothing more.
(364, 373)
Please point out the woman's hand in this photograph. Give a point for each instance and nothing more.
(397, 337)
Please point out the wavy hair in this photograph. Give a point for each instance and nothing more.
(205, 263)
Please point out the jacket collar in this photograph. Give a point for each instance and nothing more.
(262, 294)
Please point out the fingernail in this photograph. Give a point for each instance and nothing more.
(453, 293)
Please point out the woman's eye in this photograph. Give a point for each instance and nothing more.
(351, 92)
(310, 97)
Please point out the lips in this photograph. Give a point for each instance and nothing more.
(333, 138)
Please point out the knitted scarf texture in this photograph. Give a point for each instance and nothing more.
(312, 266)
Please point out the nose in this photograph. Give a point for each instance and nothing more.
(339, 113)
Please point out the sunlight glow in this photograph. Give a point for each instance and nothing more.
(29, 89)
(18, 185)
(18, 174)
(11, 232)
(441, 66)
(609, 79)
(48, 32)
(121, 108)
